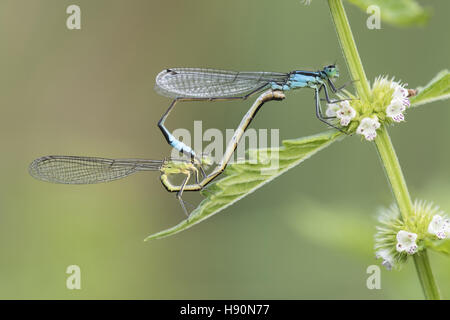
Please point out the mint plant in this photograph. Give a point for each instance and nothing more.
(406, 230)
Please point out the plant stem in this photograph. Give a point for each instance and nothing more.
(426, 277)
(383, 143)
(394, 172)
(400, 190)
(348, 47)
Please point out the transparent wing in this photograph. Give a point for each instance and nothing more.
(86, 170)
(209, 83)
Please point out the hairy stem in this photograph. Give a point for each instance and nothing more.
(383, 142)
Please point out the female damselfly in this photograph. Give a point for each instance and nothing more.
(89, 170)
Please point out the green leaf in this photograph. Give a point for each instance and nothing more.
(436, 89)
(441, 246)
(397, 12)
(241, 179)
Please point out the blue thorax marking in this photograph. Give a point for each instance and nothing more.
(299, 79)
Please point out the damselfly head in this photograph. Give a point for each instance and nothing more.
(331, 71)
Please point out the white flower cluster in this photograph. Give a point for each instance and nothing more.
(369, 125)
(399, 102)
(345, 113)
(341, 110)
(406, 242)
(440, 227)
(396, 239)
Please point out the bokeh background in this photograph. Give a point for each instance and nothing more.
(306, 235)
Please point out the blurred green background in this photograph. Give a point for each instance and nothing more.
(306, 235)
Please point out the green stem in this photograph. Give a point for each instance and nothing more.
(383, 142)
(394, 172)
(348, 47)
(400, 190)
(426, 277)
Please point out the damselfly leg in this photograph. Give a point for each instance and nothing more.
(180, 193)
(333, 86)
(336, 90)
(319, 114)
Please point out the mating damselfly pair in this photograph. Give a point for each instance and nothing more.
(192, 84)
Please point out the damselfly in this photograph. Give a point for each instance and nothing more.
(89, 170)
(191, 84)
